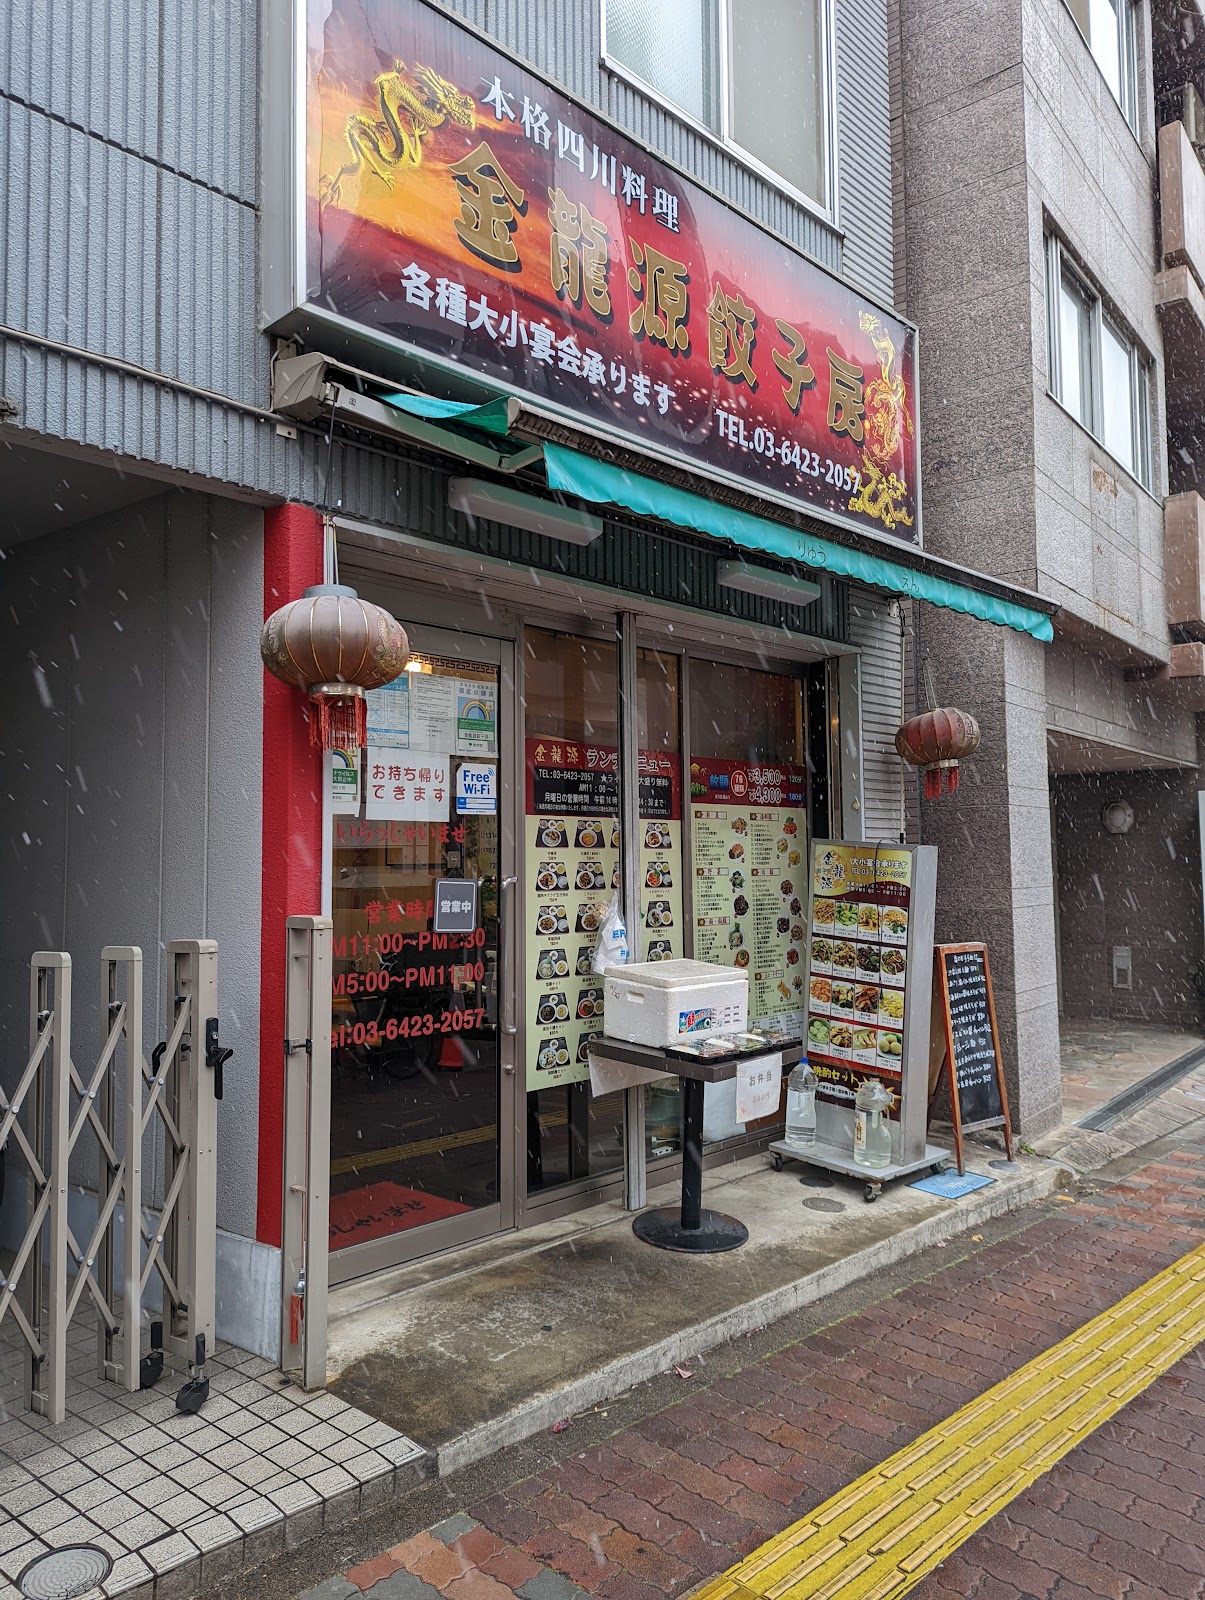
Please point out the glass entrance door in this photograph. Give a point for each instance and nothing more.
(422, 1069)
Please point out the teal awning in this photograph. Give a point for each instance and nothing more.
(491, 418)
(479, 432)
(589, 479)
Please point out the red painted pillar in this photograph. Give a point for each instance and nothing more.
(292, 840)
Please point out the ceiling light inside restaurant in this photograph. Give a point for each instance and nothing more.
(498, 502)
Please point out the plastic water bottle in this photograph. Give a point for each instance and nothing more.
(872, 1131)
(801, 1106)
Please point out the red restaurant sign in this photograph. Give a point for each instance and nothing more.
(457, 204)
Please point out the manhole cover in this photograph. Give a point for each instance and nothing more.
(1005, 1166)
(815, 1181)
(63, 1574)
(817, 1202)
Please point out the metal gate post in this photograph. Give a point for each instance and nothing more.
(192, 998)
(49, 1005)
(121, 1004)
(307, 1149)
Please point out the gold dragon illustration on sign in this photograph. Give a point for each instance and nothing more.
(407, 108)
(882, 494)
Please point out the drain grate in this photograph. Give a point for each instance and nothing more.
(64, 1574)
(818, 1202)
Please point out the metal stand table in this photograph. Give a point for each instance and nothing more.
(832, 1158)
(692, 1228)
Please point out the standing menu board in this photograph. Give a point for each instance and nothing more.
(749, 843)
(978, 1098)
(572, 857)
(861, 905)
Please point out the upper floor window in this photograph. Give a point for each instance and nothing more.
(1108, 27)
(754, 73)
(1096, 371)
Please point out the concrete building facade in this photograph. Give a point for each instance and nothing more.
(1028, 158)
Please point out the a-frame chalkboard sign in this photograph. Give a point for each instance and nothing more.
(973, 1068)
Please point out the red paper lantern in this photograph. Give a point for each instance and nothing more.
(333, 646)
(937, 741)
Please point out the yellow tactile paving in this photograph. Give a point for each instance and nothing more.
(882, 1534)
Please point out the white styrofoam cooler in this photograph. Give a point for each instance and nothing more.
(660, 1003)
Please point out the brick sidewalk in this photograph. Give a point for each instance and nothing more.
(677, 1498)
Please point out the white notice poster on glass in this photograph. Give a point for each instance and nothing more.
(389, 713)
(476, 717)
(343, 782)
(432, 712)
(410, 785)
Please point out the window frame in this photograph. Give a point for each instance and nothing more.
(1060, 269)
(827, 208)
(1127, 31)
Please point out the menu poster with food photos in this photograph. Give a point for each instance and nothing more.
(749, 832)
(860, 905)
(572, 870)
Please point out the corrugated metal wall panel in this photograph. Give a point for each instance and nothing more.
(864, 144)
(210, 68)
(78, 233)
(95, 65)
(176, 83)
(911, 777)
(878, 637)
(207, 336)
(108, 252)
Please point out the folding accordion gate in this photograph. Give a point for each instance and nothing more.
(100, 1127)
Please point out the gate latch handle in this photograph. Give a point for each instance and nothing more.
(215, 1056)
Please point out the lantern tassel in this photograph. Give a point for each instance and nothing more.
(339, 724)
(941, 780)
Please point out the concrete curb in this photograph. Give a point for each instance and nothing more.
(541, 1411)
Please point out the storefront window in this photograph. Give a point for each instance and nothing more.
(748, 813)
(658, 679)
(571, 866)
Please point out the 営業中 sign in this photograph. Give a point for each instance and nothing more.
(455, 905)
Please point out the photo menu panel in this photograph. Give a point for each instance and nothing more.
(859, 913)
(572, 865)
(749, 833)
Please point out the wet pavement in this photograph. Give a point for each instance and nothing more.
(631, 1506)
(506, 1339)
(1101, 1060)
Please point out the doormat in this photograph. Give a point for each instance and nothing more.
(950, 1186)
(358, 1215)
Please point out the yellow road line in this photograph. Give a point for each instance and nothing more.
(880, 1535)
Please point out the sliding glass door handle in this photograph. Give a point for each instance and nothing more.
(507, 997)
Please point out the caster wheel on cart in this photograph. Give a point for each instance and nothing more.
(776, 1161)
(871, 1193)
(937, 1168)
